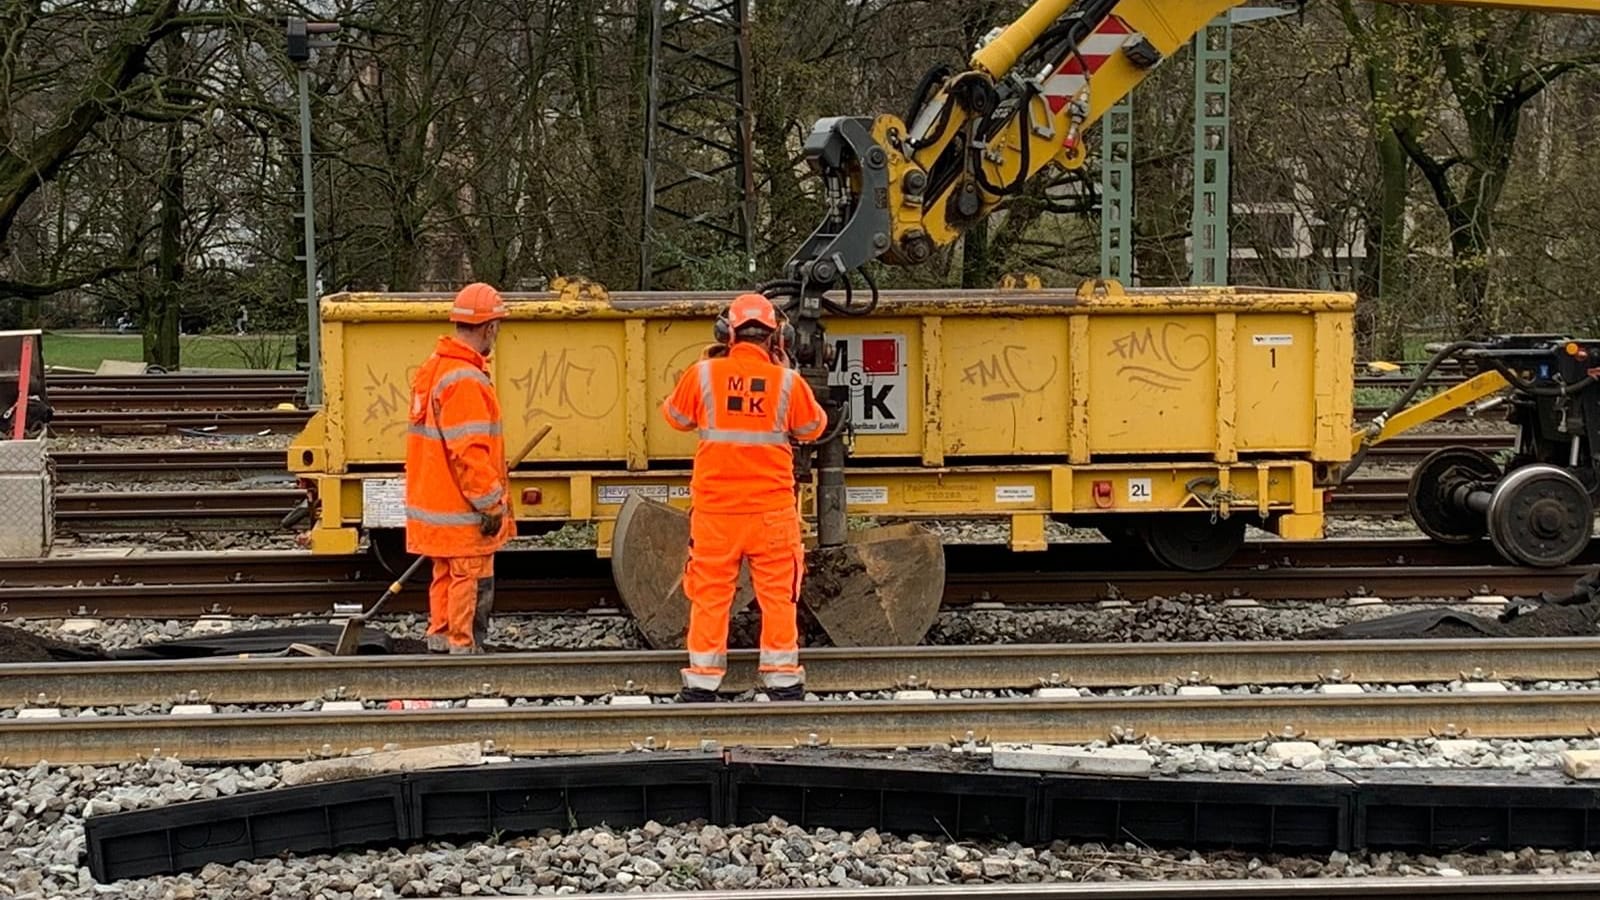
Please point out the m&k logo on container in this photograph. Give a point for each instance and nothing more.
(872, 368)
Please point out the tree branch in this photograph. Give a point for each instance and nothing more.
(25, 290)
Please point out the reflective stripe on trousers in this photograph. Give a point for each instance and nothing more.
(718, 543)
(781, 668)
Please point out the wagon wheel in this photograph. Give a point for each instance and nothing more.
(1541, 516)
(1126, 539)
(1434, 480)
(1192, 542)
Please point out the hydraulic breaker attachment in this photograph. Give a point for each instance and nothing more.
(882, 587)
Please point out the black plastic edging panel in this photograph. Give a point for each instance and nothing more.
(311, 819)
(849, 792)
(1222, 810)
(521, 797)
(1473, 809)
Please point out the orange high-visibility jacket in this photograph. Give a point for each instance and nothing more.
(455, 456)
(747, 410)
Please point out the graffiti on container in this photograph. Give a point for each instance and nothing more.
(386, 399)
(1165, 358)
(1010, 373)
(679, 362)
(568, 385)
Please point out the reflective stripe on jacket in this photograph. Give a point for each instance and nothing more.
(455, 456)
(746, 409)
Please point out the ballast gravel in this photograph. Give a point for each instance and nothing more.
(42, 843)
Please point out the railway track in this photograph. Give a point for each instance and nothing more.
(829, 670)
(288, 584)
(164, 465)
(115, 399)
(139, 422)
(863, 724)
(180, 381)
(276, 566)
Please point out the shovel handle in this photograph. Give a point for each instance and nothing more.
(528, 447)
(394, 588)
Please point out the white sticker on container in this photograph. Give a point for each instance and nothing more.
(383, 502)
(866, 496)
(1013, 493)
(1139, 490)
(1272, 340)
(617, 494)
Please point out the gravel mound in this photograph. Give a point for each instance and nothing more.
(21, 646)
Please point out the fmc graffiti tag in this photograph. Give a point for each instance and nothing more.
(1165, 359)
(386, 399)
(1002, 373)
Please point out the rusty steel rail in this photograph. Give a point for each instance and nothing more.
(828, 670)
(1472, 887)
(175, 461)
(171, 400)
(258, 379)
(165, 567)
(126, 422)
(1016, 590)
(135, 510)
(104, 740)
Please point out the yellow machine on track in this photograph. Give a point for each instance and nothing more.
(1170, 416)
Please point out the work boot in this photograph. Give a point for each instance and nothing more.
(438, 643)
(792, 692)
(696, 695)
(466, 650)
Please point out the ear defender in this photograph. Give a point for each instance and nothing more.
(786, 335)
(721, 330)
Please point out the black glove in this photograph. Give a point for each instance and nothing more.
(490, 523)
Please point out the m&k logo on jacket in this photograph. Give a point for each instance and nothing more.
(746, 402)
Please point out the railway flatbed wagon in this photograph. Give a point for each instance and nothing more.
(1174, 416)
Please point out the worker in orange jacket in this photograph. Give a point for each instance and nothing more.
(457, 507)
(748, 406)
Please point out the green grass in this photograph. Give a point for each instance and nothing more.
(86, 351)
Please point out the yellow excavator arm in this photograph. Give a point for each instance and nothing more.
(897, 188)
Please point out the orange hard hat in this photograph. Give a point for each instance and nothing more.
(752, 309)
(476, 304)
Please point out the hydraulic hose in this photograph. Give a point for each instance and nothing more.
(1376, 425)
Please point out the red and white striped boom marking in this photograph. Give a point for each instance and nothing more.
(1070, 77)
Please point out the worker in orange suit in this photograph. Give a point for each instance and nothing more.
(748, 406)
(457, 507)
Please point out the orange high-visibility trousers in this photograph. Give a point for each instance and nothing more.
(460, 599)
(717, 544)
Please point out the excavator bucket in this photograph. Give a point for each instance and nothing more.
(882, 588)
(649, 551)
